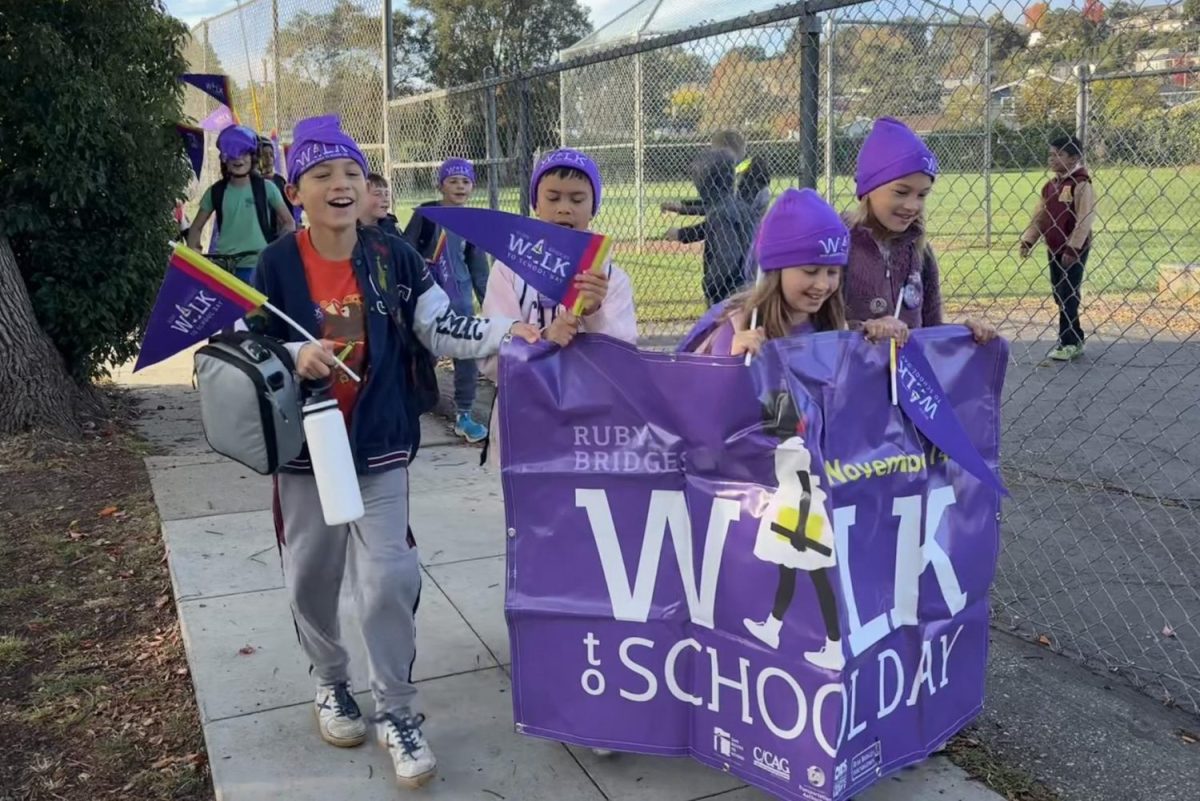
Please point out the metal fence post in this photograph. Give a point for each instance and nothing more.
(830, 128)
(389, 51)
(524, 144)
(1081, 103)
(987, 138)
(639, 152)
(492, 144)
(387, 90)
(810, 77)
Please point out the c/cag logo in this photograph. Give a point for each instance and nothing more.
(777, 766)
(816, 777)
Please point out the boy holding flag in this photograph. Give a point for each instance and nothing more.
(565, 190)
(369, 297)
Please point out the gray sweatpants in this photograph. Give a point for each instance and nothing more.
(375, 555)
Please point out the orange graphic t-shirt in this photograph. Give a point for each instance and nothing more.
(335, 290)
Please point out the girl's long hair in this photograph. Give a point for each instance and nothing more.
(863, 216)
(773, 313)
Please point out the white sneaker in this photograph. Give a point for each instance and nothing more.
(829, 657)
(338, 717)
(412, 757)
(767, 631)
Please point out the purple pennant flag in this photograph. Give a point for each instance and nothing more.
(196, 300)
(193, 144)
(545, 256)
(924, 401)
(215, 86)
(218, 121)
(767, 570)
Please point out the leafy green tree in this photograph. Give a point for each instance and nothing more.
(90, 169)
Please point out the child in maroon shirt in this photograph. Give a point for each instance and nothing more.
(1064, 217)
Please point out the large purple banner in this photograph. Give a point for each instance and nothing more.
(768, 569)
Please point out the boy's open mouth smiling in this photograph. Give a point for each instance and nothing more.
(342, 202)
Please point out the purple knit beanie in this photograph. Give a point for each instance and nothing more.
(799, 230)
(452, 167)
(566, 157)
(889, 152)
(318, 139)
(236, 141)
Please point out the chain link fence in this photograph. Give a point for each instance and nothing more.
(291, 59)
(1101, 556)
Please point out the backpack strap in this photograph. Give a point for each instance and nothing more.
(426, 238)
(218, 201)
(266, 220)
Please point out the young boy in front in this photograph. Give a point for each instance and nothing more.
(368, 297)
(456, 182)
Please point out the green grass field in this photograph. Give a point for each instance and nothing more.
(1143, 224)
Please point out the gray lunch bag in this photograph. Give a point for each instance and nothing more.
(249, 400)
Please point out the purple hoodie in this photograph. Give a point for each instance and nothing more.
(877, 275)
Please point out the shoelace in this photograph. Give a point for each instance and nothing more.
(344, 705)
(407, 728)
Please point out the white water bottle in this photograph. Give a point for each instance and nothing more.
(332, 461)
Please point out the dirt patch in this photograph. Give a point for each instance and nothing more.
(974, 757)
(95, 697)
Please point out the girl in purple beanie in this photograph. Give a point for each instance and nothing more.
(801, 249)
(892, 280)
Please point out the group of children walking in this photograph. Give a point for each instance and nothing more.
(366, 292)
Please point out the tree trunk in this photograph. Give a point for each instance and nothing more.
(38, 392)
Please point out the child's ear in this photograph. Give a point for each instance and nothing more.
(293, 194)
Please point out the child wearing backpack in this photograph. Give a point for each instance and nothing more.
(370, 297)
(456, 182)
(250, 210)
(892, 280)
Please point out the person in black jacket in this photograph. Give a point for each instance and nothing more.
(753, 179)
(727, 229)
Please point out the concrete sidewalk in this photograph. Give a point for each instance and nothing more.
(252, 687)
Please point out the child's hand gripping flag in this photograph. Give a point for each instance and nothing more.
(546, 256)
(197, 299)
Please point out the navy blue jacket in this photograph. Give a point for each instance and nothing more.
(405, 311)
